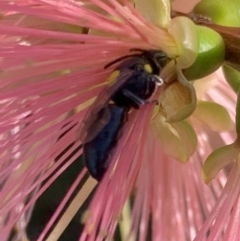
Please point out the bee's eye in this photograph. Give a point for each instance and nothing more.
(162, 60)
(138, 67)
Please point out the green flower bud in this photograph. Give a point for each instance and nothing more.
(210, 54)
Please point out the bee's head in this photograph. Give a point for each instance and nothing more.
(157, 59)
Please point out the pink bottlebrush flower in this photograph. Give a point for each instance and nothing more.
(223, 222)
(52, 68)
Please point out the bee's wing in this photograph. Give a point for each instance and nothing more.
(98, 114)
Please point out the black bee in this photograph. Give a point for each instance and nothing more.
(136, 81)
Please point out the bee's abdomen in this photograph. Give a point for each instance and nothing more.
(97, 151)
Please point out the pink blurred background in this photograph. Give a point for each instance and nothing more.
(184, 5)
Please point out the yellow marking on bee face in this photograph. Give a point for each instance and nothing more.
(148, 68)
(113, 77)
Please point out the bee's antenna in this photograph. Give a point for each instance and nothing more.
(120, 59)
(138, 50)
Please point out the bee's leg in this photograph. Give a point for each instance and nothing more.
(138, 101)
(158, 80)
